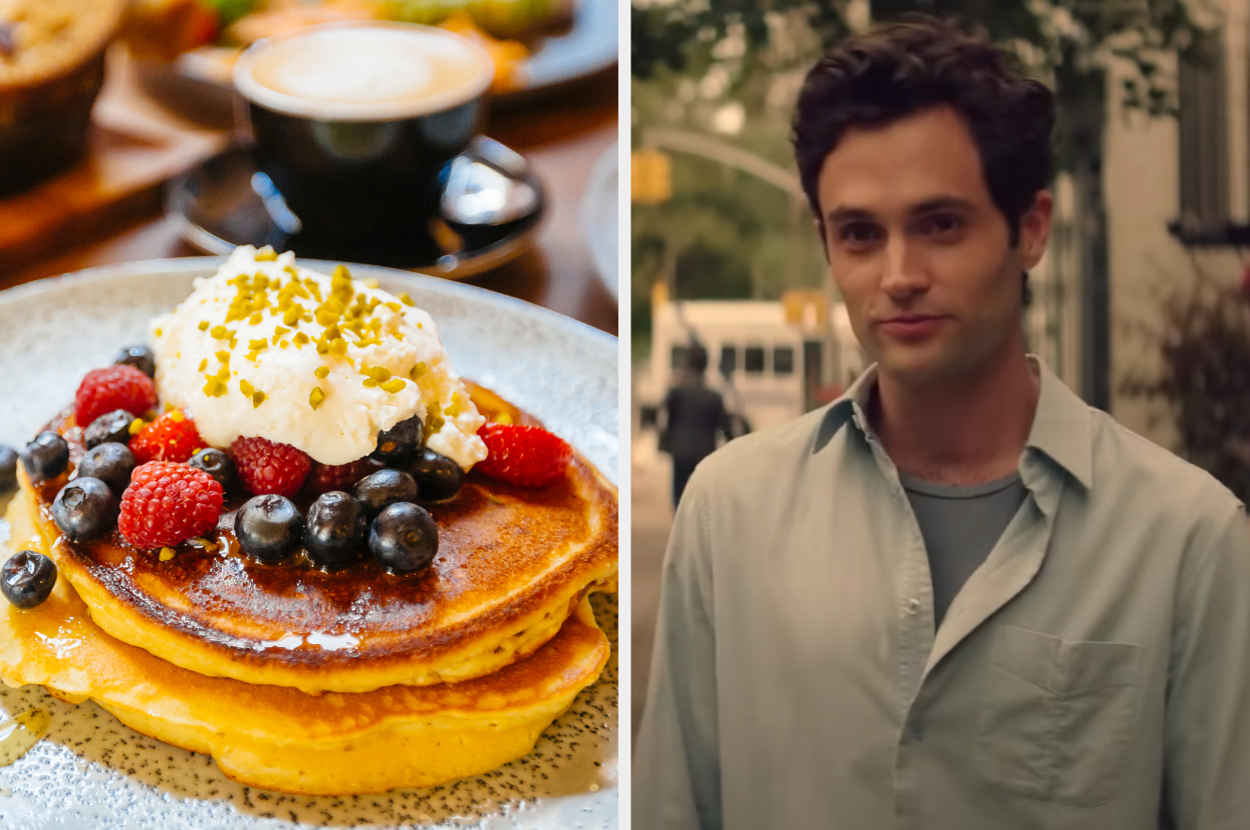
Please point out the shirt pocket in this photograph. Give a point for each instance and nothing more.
(1058, 716)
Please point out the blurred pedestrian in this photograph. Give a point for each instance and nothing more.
(694, 420)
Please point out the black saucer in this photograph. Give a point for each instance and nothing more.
(226, 201)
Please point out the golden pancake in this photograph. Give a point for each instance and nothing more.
(513, 563)
(281, 738)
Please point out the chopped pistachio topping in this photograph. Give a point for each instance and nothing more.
(203, 325)
(166, 554)
(418, 371)
(220, 333)
(266, 254)
(245, 387)
(317, 396)
(405, 299)
(203, 365)
(136, 425)
(321, 371)
(393, 385)
(258, 398)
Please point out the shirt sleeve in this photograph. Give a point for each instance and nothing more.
(1208, 706)
(676, 767)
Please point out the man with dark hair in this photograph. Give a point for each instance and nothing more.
(957, 597)
(694, 420)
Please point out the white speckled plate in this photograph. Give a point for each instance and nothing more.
(92, 772)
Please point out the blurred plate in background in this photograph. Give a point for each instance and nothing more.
(197, 84)
(600, 217)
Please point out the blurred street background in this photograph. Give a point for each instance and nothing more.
(1142, 304)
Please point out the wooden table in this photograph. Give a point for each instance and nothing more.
(562, 137)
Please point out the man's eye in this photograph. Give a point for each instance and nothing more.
(859, 233)
(942, 224)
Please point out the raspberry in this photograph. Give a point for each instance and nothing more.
(266, 467)
(167, 503)
(324, 478)
(523, 455)
(110, 388)
(171, 437)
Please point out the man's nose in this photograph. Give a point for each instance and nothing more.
(903, 272)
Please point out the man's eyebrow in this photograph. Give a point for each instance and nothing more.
(942, 203)
(847, 214)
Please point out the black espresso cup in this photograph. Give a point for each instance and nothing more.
(353, 122)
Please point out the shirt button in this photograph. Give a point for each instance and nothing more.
(913, 606)
(917, 731)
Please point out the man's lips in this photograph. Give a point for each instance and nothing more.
(912, 326)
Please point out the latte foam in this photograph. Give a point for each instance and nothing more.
(364, 71)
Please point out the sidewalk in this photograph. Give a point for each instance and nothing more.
(651, 487)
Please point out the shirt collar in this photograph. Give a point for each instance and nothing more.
(1061, 427)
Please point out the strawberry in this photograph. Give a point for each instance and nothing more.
(167, 503)
(523, 455)
(171, 437)
(266, 467)
(113, 387)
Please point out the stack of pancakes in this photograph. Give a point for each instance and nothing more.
(339, 683)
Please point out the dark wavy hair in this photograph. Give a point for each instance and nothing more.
(918, 63)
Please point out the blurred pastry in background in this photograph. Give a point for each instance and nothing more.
(51, 70)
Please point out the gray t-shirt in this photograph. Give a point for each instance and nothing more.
(960, 526)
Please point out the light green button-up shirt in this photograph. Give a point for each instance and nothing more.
(1093, 674)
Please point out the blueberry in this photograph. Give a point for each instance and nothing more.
(438, 477)
(46, 457)
(403, 538)
(140, 357)
(8, 470)
(112, 427)
(269, 528)
(399, 441)
(383, 488)
(111, 463)
(218, 465)
(334, 534)
(85, 509)
(27, 578)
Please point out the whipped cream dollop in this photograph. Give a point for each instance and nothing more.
(265, 348)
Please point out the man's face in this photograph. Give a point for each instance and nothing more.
(919, 251)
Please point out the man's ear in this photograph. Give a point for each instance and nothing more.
(1035, 229)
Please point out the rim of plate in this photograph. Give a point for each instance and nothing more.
(101, 273)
